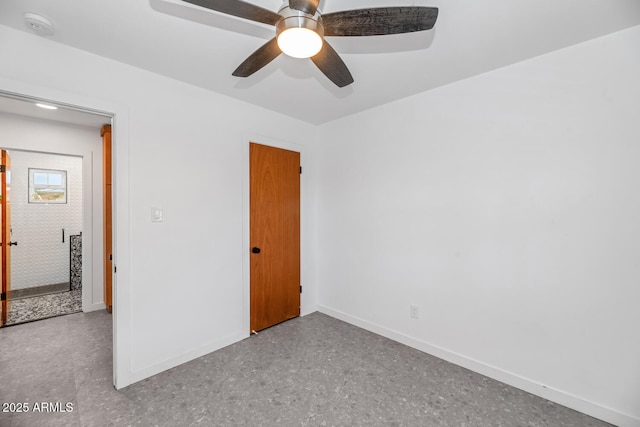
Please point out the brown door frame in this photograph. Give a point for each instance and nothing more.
(107, 220)
(246, 266)
(5, 235)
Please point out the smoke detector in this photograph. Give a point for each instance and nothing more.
(38, 24)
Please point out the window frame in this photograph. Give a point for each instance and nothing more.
(33, 187)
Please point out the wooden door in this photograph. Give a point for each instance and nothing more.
(5, 233)
(274, 235)
(105, 132)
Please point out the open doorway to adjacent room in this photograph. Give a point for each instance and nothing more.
(53, 209)
(42, 224)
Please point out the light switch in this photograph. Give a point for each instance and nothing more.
(156, 214)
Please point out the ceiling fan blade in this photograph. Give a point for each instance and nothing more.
(306, 6)
(330, 63)
(379, 21)
(240, 9)
(258, 59)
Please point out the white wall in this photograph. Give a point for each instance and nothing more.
(45, 136)
(41, 256)
(181, 290)
(506, 208)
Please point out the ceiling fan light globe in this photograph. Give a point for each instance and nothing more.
(299, 42)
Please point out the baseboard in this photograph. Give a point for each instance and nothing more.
(94, 307)
(557, 396)
(309, 310)
(157, 368)
(150, 371)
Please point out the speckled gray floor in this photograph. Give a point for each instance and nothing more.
(314, 371)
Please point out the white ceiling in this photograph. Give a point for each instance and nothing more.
(28, 108)
(202, 47)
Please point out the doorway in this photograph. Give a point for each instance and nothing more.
(43, 220)
(274, 235)
(71, 133)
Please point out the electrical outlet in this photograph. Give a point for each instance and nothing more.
(414, 311)
(156, 214)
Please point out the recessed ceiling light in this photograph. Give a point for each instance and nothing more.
(47, 106)
(38, 24)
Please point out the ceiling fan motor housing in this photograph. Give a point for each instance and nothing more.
(292, 18)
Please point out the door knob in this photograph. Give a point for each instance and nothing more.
(255, 250)
(13, 243)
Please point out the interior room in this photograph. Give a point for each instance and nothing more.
(48, 224)
(471, 194)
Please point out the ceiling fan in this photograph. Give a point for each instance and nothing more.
(301, 28)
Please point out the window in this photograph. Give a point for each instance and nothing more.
(47, 186)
